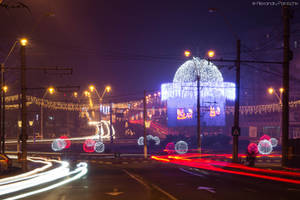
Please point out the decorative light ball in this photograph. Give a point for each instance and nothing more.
(149, 137)
(140, 141)
(67, 140)
(265, 147)
(181, 147)
(252, 148)
(156, 140)
(265, 137)
(189, 71)
(99, 147)
(89, 146)
(170, 147)
(58, 144)
(274, 142)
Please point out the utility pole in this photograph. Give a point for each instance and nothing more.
(236, 128)
(110, 124)
(23, 107)
(1, 98)
(145, 116)
(198, 114)
(3, 108)
(285, 78)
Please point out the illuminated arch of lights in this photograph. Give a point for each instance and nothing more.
(189, 71)
(181, 147)
(211, 82)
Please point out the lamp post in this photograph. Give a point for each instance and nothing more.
(23, 43)
(279, 98)
(210, 54)
(49, 90)
(3, 90)
(107, 89)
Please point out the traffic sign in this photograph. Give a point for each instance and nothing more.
(236, 131)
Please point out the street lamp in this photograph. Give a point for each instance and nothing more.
(211, 53)
(23, 43)
(279, 98)
(49, 90)
(107, 89)
(5, 88)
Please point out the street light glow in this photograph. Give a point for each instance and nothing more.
(5, 88)
(92, 88)
(281, 90)
(86, 93)
(271, 90)
(187, 53)
(75, 94)
(211, 53)
(51, 90)
(24, 41)
(107, 88)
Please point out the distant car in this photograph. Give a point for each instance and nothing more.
(5, 162)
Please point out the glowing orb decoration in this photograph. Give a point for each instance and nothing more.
(170, 146)
(189, 71)
(141, 141)
(265, 147)
(99, 147)
(274, 142)
(181, 147)
(149, 137)
(67, 140)
(252, 148)
(58, 144)
(156, 140)
(89, 146)
(265, 137)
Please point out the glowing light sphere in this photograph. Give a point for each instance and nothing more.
(88, 145)
(170, 146)
(99, 147)
(157, 140)
(181, 147)
(189, 71)
(252, 148)
(58, 144)
(274, 142)
(67, 140)
(140, 141)
(265, 137)
(149, 137)
(265, 147)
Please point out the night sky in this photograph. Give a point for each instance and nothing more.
(132, 45)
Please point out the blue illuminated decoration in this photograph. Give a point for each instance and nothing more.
(181, 95)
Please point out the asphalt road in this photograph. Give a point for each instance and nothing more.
(152, 180)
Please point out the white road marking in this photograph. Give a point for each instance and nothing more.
(189, 172)
(209, 189)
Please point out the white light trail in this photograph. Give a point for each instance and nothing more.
(33, 179)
